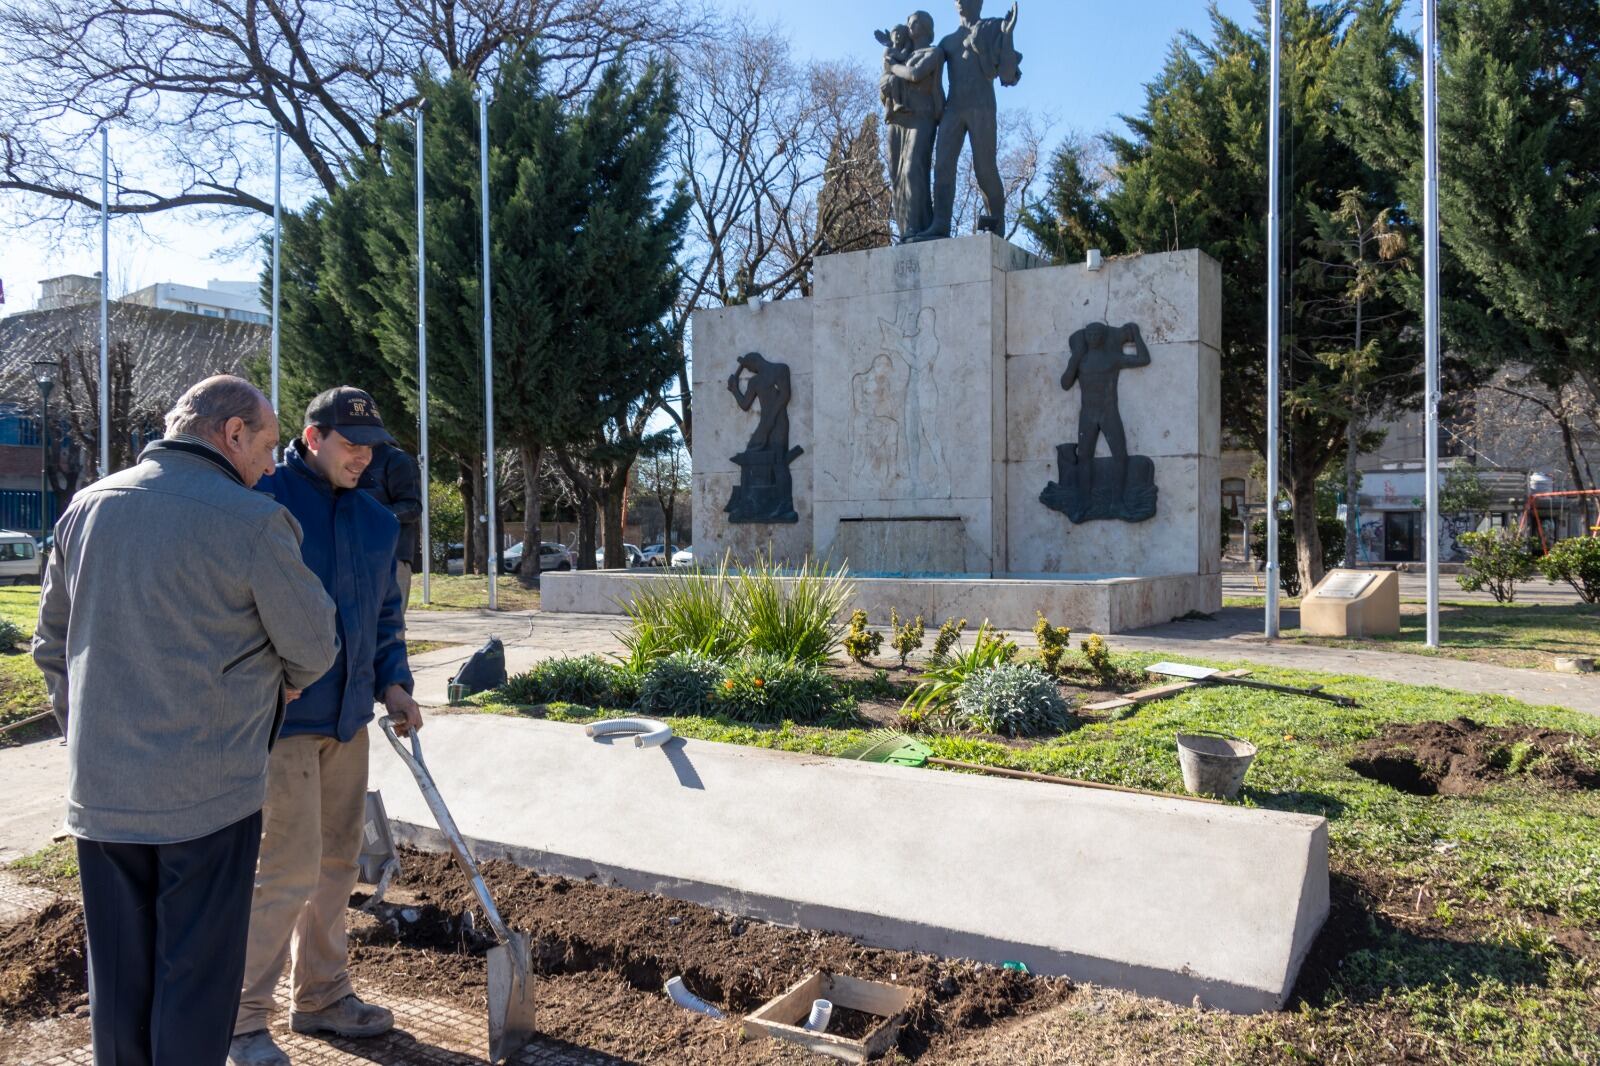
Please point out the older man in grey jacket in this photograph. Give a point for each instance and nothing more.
(174, 616)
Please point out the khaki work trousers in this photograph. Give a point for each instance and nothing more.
(311, 837)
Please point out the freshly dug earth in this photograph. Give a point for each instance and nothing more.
(596, 943)
(43, 963)
(1461, 757)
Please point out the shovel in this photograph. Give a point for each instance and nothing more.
(1206, 676)
(511, 960)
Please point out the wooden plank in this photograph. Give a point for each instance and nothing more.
(782, 1018)
(1146, 695)
(795, 1003)
(873, 997)
(26, 721)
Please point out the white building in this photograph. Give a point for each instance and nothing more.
(237, 301)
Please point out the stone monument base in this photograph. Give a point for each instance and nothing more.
(1088, 603)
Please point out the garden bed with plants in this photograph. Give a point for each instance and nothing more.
(1463, 921)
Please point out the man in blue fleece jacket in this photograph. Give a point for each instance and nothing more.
(317, 775)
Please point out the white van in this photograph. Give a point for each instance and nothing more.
(19, 558)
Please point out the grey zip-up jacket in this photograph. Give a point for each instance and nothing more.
(175, 609)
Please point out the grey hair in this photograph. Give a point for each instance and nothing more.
(205, 409)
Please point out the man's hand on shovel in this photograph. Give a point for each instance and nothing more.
(403, 710)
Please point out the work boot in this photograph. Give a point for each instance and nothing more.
(347, 1017)
(255, 1049)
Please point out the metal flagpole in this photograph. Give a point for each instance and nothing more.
(488, 353)
(1273, 266)
(277, 243)
(1430, 201)
(422, 364)
(105, 296)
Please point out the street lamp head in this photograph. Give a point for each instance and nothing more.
(44, 375)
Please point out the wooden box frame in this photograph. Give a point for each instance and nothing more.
(782, 1018)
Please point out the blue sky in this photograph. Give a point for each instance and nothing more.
(1084, 63)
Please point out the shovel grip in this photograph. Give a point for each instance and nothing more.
(447, 824)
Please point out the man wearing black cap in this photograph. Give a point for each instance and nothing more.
(317, 774)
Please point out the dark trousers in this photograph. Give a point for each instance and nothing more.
(167, 930)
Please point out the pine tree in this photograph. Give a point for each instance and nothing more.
(853, 204)
(1193, 174)
(1072, 217)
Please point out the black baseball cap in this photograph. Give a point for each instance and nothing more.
(349, 412)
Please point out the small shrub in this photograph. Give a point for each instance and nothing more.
(861, 643)
(681, 683)
(949, 634)
(770, 688)
(1098, 655)
(936, 689)
(1497, 560)
(1053, 643)
(588, 680)
(1576, 561)
(11, 634)
(796, 617)
(683, 612)
(906, 637)
(1014, 700)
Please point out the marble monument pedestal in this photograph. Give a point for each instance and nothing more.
(929, 392)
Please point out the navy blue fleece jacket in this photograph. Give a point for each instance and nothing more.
(350, 545)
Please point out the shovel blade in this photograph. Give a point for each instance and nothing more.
(510, 998)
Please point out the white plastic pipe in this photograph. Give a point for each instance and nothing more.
(688, 1000)
(649, 733)
(821, 1015)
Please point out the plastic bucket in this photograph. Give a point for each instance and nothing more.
(1214, 764)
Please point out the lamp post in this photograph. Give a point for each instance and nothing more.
(45, 377)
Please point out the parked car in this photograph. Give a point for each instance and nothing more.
(659, 554)
(684, 557)
(556, 557)
(635, 557)
(19, 558)
(511, 559)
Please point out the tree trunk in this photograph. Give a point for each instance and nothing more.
(532, 502)
(616, 506)
(469, 518)
(479, 528)
(1352, 492)
(669, 504)
(1307, 542)
(587, 541)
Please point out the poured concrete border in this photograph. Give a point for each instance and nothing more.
(1162, 896)
(1089, 604)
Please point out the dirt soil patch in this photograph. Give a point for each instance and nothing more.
(1461, 757)
(44, 968)
(622, 946)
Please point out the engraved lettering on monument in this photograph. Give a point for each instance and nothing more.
(765, 493)
(1120, 486)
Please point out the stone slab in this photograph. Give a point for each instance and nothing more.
(1353, 603)
(1166, 897)
(1098, 604)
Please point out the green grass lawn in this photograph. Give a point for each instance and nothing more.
(1526, 635)
(1463, 926)
(471, 592)
(22, 692)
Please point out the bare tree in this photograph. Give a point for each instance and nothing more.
(200, 82)
(152, 356)
(756, 130)
(664, 475)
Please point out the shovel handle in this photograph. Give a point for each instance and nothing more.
(447, 824)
